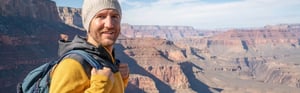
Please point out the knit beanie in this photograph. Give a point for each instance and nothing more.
(91, 7)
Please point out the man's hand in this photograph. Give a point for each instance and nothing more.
(105, 72)
(124, 70)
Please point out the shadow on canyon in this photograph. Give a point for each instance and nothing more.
(196, 84)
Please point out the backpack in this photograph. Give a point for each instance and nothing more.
(38, 80)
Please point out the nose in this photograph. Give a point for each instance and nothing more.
(108, 23)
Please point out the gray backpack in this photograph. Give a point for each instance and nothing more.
(38, 80)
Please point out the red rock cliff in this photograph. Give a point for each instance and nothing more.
(38, 9)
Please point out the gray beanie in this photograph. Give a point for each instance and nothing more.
(91, 7)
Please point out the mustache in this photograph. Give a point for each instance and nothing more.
(109, 31)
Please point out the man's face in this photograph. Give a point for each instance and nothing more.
(105, 27)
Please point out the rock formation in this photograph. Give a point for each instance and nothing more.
(29, 31)
(37, 9)
(154, 58)
(71, 16)
(143, 83)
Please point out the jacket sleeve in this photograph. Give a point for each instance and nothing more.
(70, 77)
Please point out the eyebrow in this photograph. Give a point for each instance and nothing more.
(115, 12)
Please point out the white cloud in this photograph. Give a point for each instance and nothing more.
(245, 13)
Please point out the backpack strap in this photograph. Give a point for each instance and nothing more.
(94, 61)
(87, 61)
(86, 57)
(86, 66)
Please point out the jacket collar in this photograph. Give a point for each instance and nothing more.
(80, 43)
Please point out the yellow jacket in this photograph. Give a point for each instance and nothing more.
(70, 77)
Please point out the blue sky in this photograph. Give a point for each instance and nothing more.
(206, 14)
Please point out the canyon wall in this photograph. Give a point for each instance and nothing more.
(29, 34)
(269, 54)
(37, 9)
(71, 16)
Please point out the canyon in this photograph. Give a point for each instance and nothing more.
(238, 60)
(162, 59)
(265, 58)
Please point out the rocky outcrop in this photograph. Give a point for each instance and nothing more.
(143, 83)
(155, 58)
(278, 73)
(171, 74)
(71, 16)
(37, 9)
(176, 55)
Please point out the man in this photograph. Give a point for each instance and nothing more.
(101, 19)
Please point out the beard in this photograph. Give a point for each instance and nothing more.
(104, 39)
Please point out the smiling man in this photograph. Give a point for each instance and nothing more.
(101, 19)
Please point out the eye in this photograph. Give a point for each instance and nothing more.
(117, 17)
(101, 16)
